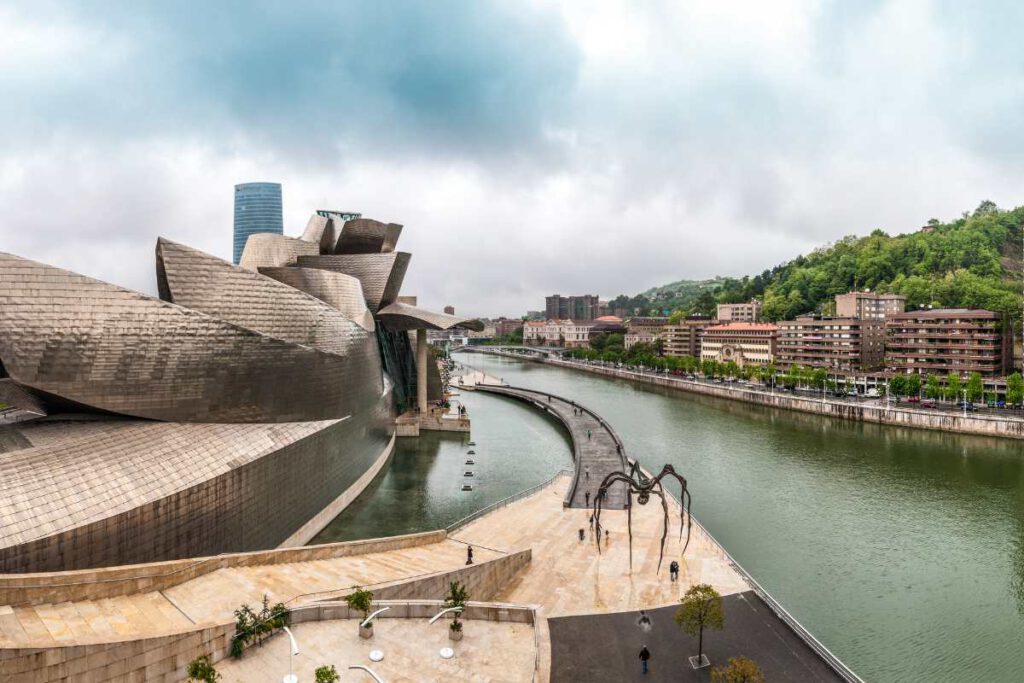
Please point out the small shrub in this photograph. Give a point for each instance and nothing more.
(326, 674)
(739, 670)
(201, 671)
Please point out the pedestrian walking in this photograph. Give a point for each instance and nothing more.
(591, 522)
(645, 656)
(586, 471)
(588, 434)
(583, 534)
(586, 497)
(673, 570)
(469, 554)
(605, 538)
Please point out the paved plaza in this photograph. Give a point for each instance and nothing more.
(582, 651)
(489, 652)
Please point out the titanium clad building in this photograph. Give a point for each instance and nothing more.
(257, 209)
(243, 409)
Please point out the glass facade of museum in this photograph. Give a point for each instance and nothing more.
(257, 209)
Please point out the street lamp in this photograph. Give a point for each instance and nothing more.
(291, 677)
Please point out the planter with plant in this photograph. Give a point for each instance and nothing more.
(253, 627)
(361, 600)
(457, 597)
(326, 674)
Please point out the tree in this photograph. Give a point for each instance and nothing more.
(1014, 388)
(326, 674)
(933, 389)
(975, 387)
(739, 670)
(953, 386)
(457, 597)
(202, 671)
(700, 607)
(913, 384)
(361, 600)
(898, 385)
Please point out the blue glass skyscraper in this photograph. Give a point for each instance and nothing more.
(257, 209)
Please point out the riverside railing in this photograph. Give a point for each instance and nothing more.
(455, 526)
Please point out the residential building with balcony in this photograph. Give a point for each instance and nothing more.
(842, 345)
(949, 340)
(749, 312)
(683, 338)
(650, 324)
(869, 305)
(743, 343)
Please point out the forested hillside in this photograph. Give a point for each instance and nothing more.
(972, 262)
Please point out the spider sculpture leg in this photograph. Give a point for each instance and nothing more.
(664, 523)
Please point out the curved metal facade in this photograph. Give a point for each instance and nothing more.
(275, 250)
(380, 275)
(118, 351)
(205, 283)
(262, 387)
(367, 236)
(343, 292)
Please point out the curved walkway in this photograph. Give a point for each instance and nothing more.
(597, 449)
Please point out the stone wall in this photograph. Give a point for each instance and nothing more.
(981, 425)
(164, 658)
(94, 584)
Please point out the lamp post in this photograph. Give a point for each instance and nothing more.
(291, 677)
(965, 402)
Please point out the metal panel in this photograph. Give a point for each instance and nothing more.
(127, 491)
(266, 249)
(322, 231)
(402, 316)
(380, 275)
(205, 283)
(343, 292)
(367, 236)
(116, 350)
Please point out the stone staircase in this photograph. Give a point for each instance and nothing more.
(212, 598)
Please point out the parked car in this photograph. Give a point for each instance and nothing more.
(928, 403)
(914, 399)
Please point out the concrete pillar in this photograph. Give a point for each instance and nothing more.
(421, 370)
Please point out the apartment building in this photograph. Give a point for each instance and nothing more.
(749, 312)
(949, 340)
(843, 345)
(869, 305)
(650, 324)
(744, 343)
(580, 308)
(683, 338)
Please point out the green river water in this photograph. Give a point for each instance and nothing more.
(901, 550)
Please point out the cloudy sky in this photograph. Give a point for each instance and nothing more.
(528, 147)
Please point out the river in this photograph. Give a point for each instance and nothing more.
(901, 550)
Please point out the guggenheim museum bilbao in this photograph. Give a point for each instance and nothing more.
(240, 410)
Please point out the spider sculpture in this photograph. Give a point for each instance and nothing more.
(643, 486)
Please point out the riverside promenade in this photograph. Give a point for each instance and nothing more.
(597, 449)
(898, 415)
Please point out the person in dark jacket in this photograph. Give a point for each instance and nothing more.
(645, 656)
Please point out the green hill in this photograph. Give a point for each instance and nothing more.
(972, 262)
